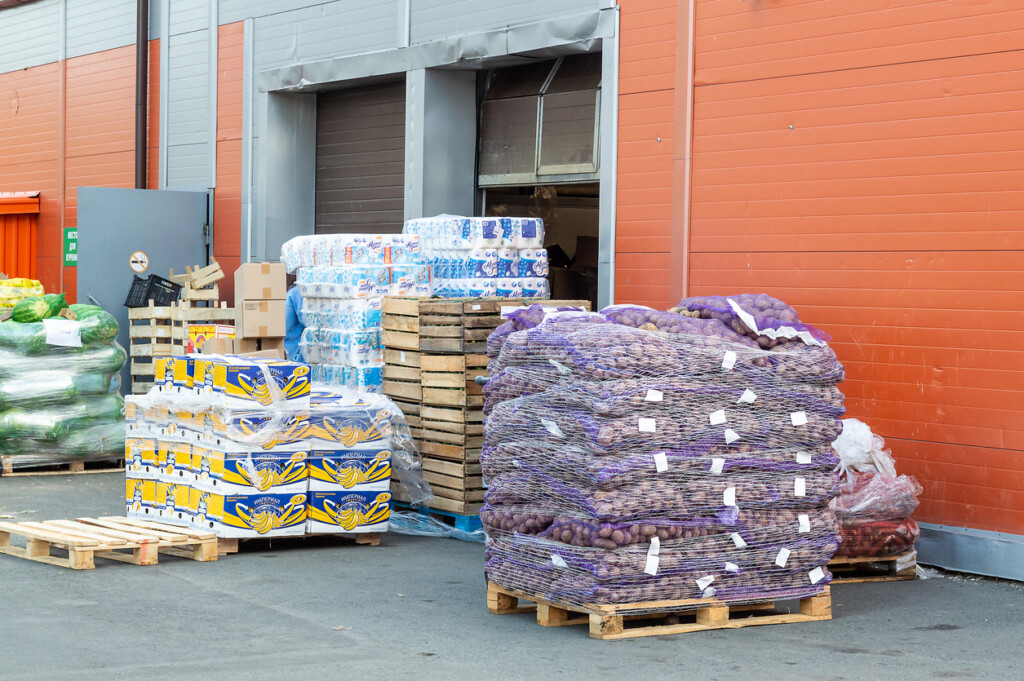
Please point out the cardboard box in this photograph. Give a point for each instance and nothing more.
(261, 281)
(366, 470)
(244, 382)
(253, 472)
(260, 347)
(199, 334)
(219, 346)
(140, 458)
(260, 319)
(341, 511)
(249, 515)
(140, 498)
(172, 502)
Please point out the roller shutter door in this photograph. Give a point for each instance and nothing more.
(360, 159)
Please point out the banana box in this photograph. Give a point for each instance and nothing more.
(272, 427)
(341, 511)
(140, 498)
(348, 426)
(243, 382)
(172, 502)
(175, 460)
(362, 470)
(249, 515)
(140, 458)
(163, 370)
(250, 472)
(183, 372)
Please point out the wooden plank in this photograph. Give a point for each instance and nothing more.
(477, 360)
(408, 358)
(856, 560)
(450, 467)
(204, 314)
(102, 531)
(441, 320)
(453, 452)
(406, 391)
(441, 332)
(401, 306)
(482, 307)
(154, 349)
(402, 324)
(163, 528)
(450, 345)
(400, 340)
(28, 531)
(150, 312)
(436, 379)
(401, 373)
(474, 482)
(484, 324)
(454, 413)
(151, 331)
(444, 397)
(453, 506)
(442, 307)
(448, 363)
(408, 408)
(477, 334)
(465, 496)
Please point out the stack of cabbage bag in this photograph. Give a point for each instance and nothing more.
(59, 383)
(246, 448)
(635, 455)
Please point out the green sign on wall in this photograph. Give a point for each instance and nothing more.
(70, 247)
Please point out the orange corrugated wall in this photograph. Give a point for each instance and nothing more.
(864, 162)
(227, 197)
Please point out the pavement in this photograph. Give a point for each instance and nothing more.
(414, 607)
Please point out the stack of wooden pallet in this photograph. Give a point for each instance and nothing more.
(434, 350)
(162, 331)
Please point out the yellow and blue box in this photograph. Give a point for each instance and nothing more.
(140, 498)
(245, 381)
(250, 515)
(339, 422)
(271, 428)
(341, 511)
(363, 470)
(140, 458)
(172, 502)
(175, 461)
(250, 472)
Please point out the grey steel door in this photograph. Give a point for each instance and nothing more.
(169, 228)
(360, 159)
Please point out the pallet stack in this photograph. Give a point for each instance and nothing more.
(162, 331)
(434, 350)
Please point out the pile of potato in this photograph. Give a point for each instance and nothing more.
(637, 455)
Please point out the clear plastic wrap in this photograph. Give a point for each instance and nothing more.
(13, 291)
(878, 537)
(637, 455)
(59, 390)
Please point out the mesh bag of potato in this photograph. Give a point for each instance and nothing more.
(638, 456)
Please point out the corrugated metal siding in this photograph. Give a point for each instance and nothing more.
(889, 214)
(188, 109)
(646, 113)
(437, 19)
(29, 35)
(189, 15)
(28, 149)
(96, 25)
(747, 41)
(227, 197)
(360, 159)
(236, 10)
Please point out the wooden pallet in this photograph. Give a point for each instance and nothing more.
(28, 465)
(860, 569)
(199, 284)
(226, 546)
(460, 521)
(610, 621)
(123, 539)
(156, 332)
(449, 326)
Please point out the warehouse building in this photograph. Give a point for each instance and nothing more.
(862, 164)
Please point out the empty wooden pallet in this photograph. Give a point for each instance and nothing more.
(128, 540)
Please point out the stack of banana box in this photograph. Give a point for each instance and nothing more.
(244, 447)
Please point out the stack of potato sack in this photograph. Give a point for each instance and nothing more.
(635, 455)
(59, 383)
(874, 503)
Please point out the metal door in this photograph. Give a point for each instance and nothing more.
(360, 159)
(169, 228)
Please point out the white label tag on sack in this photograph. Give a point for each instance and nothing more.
(705, 582)
(660, 462)
(717, 417)
(805, 522)
(748, 396)
(731, 436)
(716, 466)
(799, 487)
(654, 396)
(799, 418)
(708, 592)
(729, 361)
(651, 566)
(732, 567)
(655, 547)
(803, 457)
(552, 428)
(63, 332)
(647, 425)
(402, 355)
(816, 575)
(738, 540)
(782, 558)
(558, 561)
(729, 496)
(561, 368)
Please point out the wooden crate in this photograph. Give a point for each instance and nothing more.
(859, 569)
(199, 284)
(163, 332)
(123, 539)
(618, 621)
(454, 480)
(449, 326)
(450, 380)
(464, 508)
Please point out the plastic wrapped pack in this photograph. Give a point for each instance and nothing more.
(59, 389)
(637, 455)
(13, 291)
(350, 249)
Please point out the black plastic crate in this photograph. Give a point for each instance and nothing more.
(161, 291)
